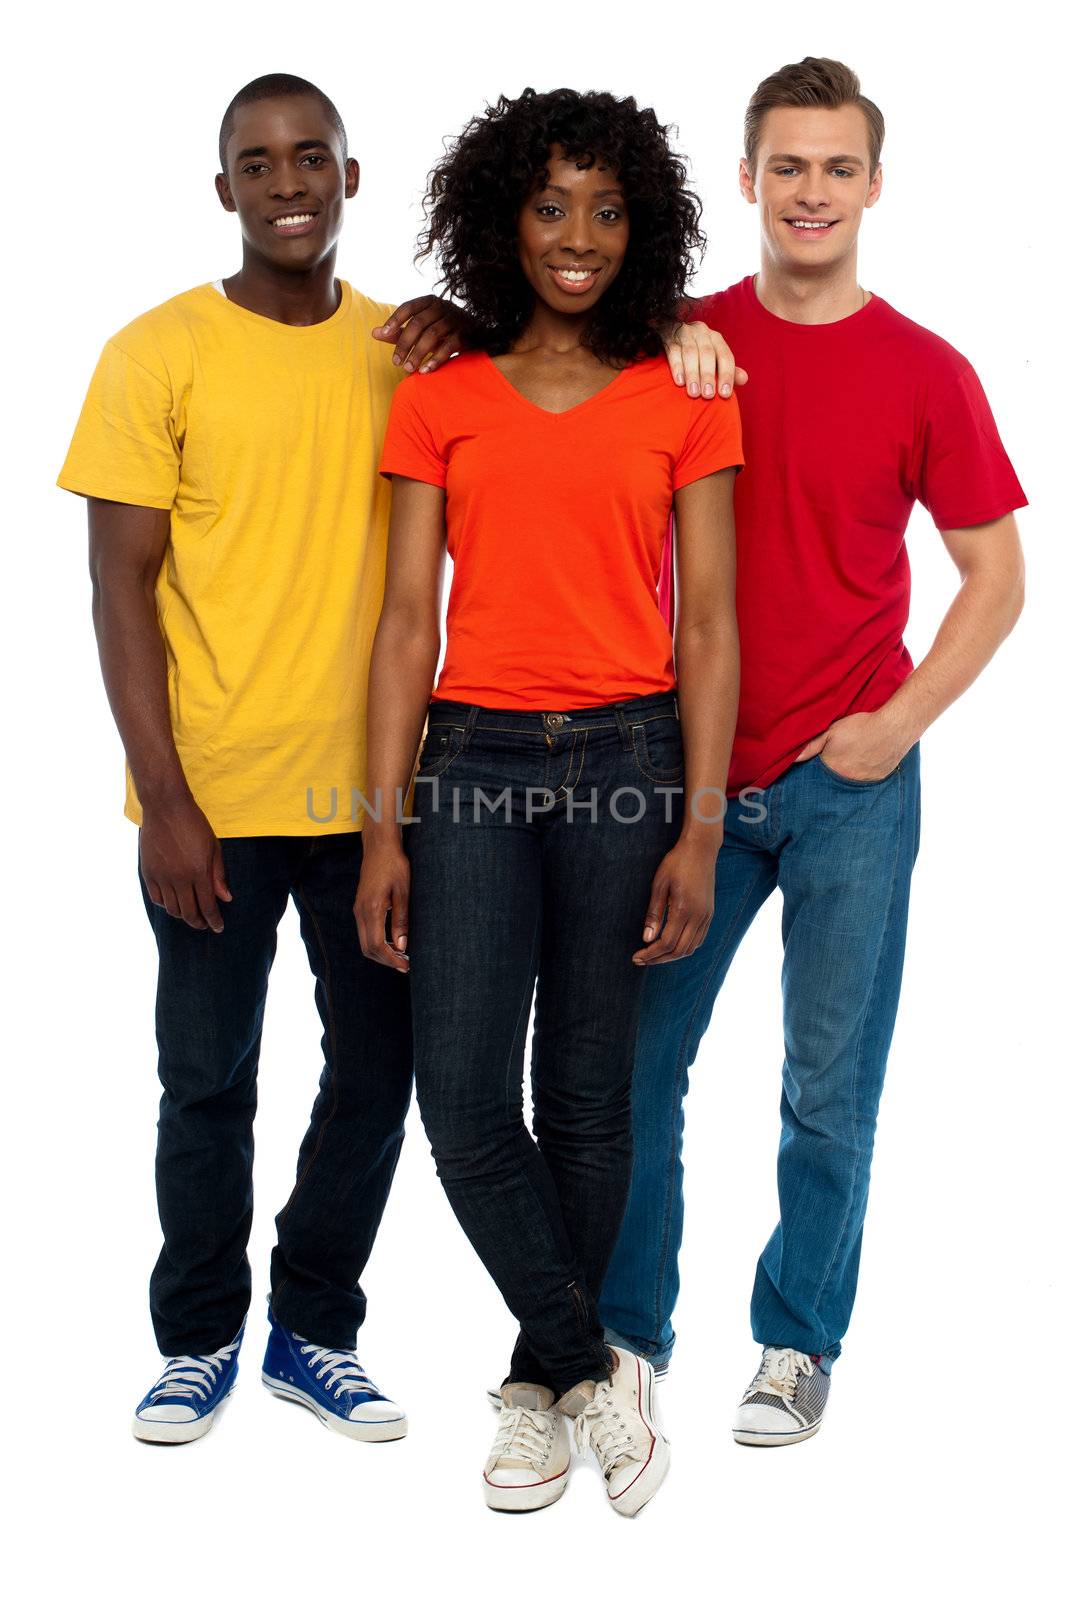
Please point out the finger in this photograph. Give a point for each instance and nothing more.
(726, 367)
(674, 354)
(655, 914)
(399, 918)
(427, 344)
(741, 377)
(218, 873)
(206, 903)
(414, 332)
(188, 906)
(448, 346)
(813, 748)
(155, 894)
(662, 948)
(170, 899)
(375, 943)
(693, 367)
(389, 330)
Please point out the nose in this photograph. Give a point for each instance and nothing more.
(287, 182)
(576, 239)
(813, 192)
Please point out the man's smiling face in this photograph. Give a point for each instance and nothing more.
(287, 180)
(812, 183)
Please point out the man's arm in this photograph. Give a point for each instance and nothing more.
(181, 859)
(426, 332)
(869, 745)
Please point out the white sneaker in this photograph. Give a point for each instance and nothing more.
(785, 1401)
(530, 1460)
(617, 1425)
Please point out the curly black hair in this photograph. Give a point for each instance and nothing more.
(475, 194)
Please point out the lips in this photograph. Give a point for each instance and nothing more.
(574, 280)
(293, 224)
(810, 227)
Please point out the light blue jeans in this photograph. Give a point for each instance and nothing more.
(842, 854)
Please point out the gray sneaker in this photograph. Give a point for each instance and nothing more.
(785, 1402)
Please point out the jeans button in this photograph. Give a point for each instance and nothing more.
(554, 719)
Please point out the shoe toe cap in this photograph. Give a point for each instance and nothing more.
(512, 1477)
(167, 1413)
(754, 1418)
(377, 1411)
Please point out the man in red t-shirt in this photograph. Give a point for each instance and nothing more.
(857, 413)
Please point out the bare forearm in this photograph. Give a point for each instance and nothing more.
(981, 616)
(402, 669)
(133, 663)
(708, 679)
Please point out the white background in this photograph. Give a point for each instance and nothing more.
(933, 1471)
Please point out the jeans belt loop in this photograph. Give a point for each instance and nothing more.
(471, 723)
(624, 732)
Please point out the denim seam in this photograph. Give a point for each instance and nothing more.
(565, 787)
(669, 776)
(334, 1074)
(815, 1309)
(678, 1099)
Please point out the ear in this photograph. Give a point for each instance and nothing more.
(875, 187)
(747, 181)
(351, 178)
(224, 192)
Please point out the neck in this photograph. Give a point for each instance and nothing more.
(551, 331)
(828, 295)
(297, 298)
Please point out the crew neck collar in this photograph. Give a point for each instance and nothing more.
(854, 322)
(299, 330)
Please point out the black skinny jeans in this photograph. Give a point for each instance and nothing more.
(535, 841)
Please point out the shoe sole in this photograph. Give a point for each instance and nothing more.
(369, 1432)
(527, 1497)
(771, 1439)
(178, 1432)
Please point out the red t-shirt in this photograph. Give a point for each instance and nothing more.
(845, 425)
(556, 524)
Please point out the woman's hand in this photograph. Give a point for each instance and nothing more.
(700, 360)
(384, 888)
(682, 899)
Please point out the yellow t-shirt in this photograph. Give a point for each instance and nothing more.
(262, 441)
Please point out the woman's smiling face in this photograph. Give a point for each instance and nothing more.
(572, 234)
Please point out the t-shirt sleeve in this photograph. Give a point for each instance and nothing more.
(714, 440)
(125, 446)
(412, 447)
(964, 476)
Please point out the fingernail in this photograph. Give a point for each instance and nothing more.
(648, 932)
(708, 391)
(428, 367)
(693, 388)
(395, 361)
(408, 366)
(401, 942)
(726, 390)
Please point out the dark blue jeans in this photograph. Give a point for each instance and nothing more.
(209, 1018)
(841, 853)
(545, 894)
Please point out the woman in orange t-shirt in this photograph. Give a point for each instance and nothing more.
(569, 798)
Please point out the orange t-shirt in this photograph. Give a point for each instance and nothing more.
(556, 525)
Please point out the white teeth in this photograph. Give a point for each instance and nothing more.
(294, 222)
(572, 275)
(795, 223)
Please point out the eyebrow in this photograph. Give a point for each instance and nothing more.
(833, 161)
(599, 194)
(301, 144)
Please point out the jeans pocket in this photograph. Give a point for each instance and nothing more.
(854, 783)
(441, 746)
(659, 749)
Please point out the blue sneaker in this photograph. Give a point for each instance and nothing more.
(184, 1403)
(332, 1384)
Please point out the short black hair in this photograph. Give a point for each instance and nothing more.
(276, 86)
(476, 193)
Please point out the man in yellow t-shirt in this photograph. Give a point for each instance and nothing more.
(228, 449)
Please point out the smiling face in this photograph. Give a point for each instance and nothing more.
(287, 180)
(812, 183)
(572, 234)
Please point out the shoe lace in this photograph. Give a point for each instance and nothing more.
(779, 1373)
(192, 1377)
(602, 1428)
(339, 1370)
(524, 1435)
